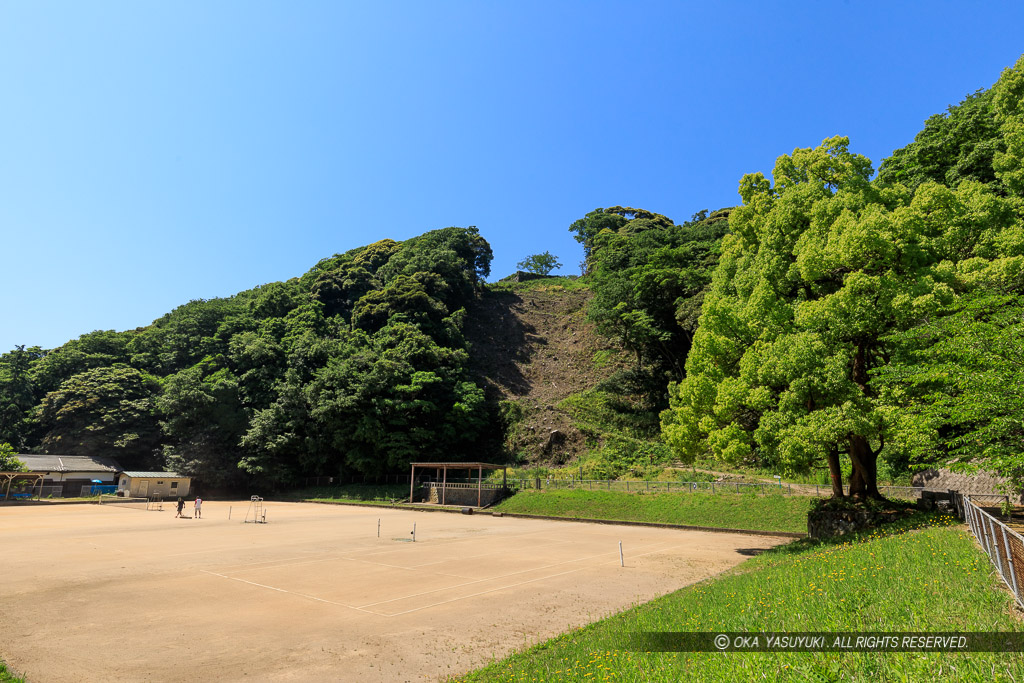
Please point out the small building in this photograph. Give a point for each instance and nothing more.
(153, 485)
(67, 476)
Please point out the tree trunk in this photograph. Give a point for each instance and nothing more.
(835, 473)
(864, 479)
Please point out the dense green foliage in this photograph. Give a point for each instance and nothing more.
(897, 579)
(8, 460)
(357, 367)
(824, 269)
(954, 147)
(959, 387)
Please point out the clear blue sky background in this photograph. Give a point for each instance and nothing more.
(157, 152)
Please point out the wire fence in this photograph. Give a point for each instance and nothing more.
(623, 485)
(1003, 545)
(658, 486)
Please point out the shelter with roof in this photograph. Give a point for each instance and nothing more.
(66, 476)
(450, 490)
(153, 485)
(20, 485)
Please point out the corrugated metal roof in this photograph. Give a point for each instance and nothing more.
(154, 475)
(68, 463)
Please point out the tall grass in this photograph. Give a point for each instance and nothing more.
(906, 577)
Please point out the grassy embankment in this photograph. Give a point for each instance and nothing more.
(366, 494)
(727, 510)
(771, 512)
(923, 574)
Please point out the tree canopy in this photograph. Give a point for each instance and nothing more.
(822, 266)
(356, 367)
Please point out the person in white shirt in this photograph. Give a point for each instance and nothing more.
(199, 508)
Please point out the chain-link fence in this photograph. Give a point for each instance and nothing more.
(1003, 545)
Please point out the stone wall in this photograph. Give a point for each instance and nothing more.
(431, 493)
(977, 483)
(829, 523)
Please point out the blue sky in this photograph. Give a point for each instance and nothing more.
(154, 153)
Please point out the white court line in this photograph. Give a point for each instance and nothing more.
(492, 578)
(473, 595)
(441, 602)
(282, 590)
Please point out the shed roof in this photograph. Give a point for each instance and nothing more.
(68, 463)
(155, 475)
(459, 465)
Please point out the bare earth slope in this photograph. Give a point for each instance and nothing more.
(536, 347)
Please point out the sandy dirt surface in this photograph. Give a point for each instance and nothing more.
(102, 593)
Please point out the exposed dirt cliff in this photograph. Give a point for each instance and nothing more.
(534, 347)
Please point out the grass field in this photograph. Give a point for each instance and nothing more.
(726, 510)
(923, 574)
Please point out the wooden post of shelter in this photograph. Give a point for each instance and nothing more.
(479, 484)
(412, 482)
(444, 485)
(7, 492)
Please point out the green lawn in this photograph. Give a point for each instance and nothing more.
(773, 512)
(923, 574)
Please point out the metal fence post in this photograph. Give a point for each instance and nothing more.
(995, 548)
(1013, 572)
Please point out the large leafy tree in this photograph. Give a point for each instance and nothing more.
(821, 267)
(105, 411)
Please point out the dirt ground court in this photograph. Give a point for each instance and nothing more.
(90, 592)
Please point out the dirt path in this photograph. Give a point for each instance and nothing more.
(97, 593)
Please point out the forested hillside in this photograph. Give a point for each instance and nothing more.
(358, 366)
(836, 320)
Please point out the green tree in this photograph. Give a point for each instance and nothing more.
(541, 264)
(822, 266)
(612, 219)
(1008, 104)
(104, 411)
(8, 461)
(957, 391)
(953, 147)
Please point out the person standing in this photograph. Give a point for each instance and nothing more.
(181, 506)
(199, 508)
